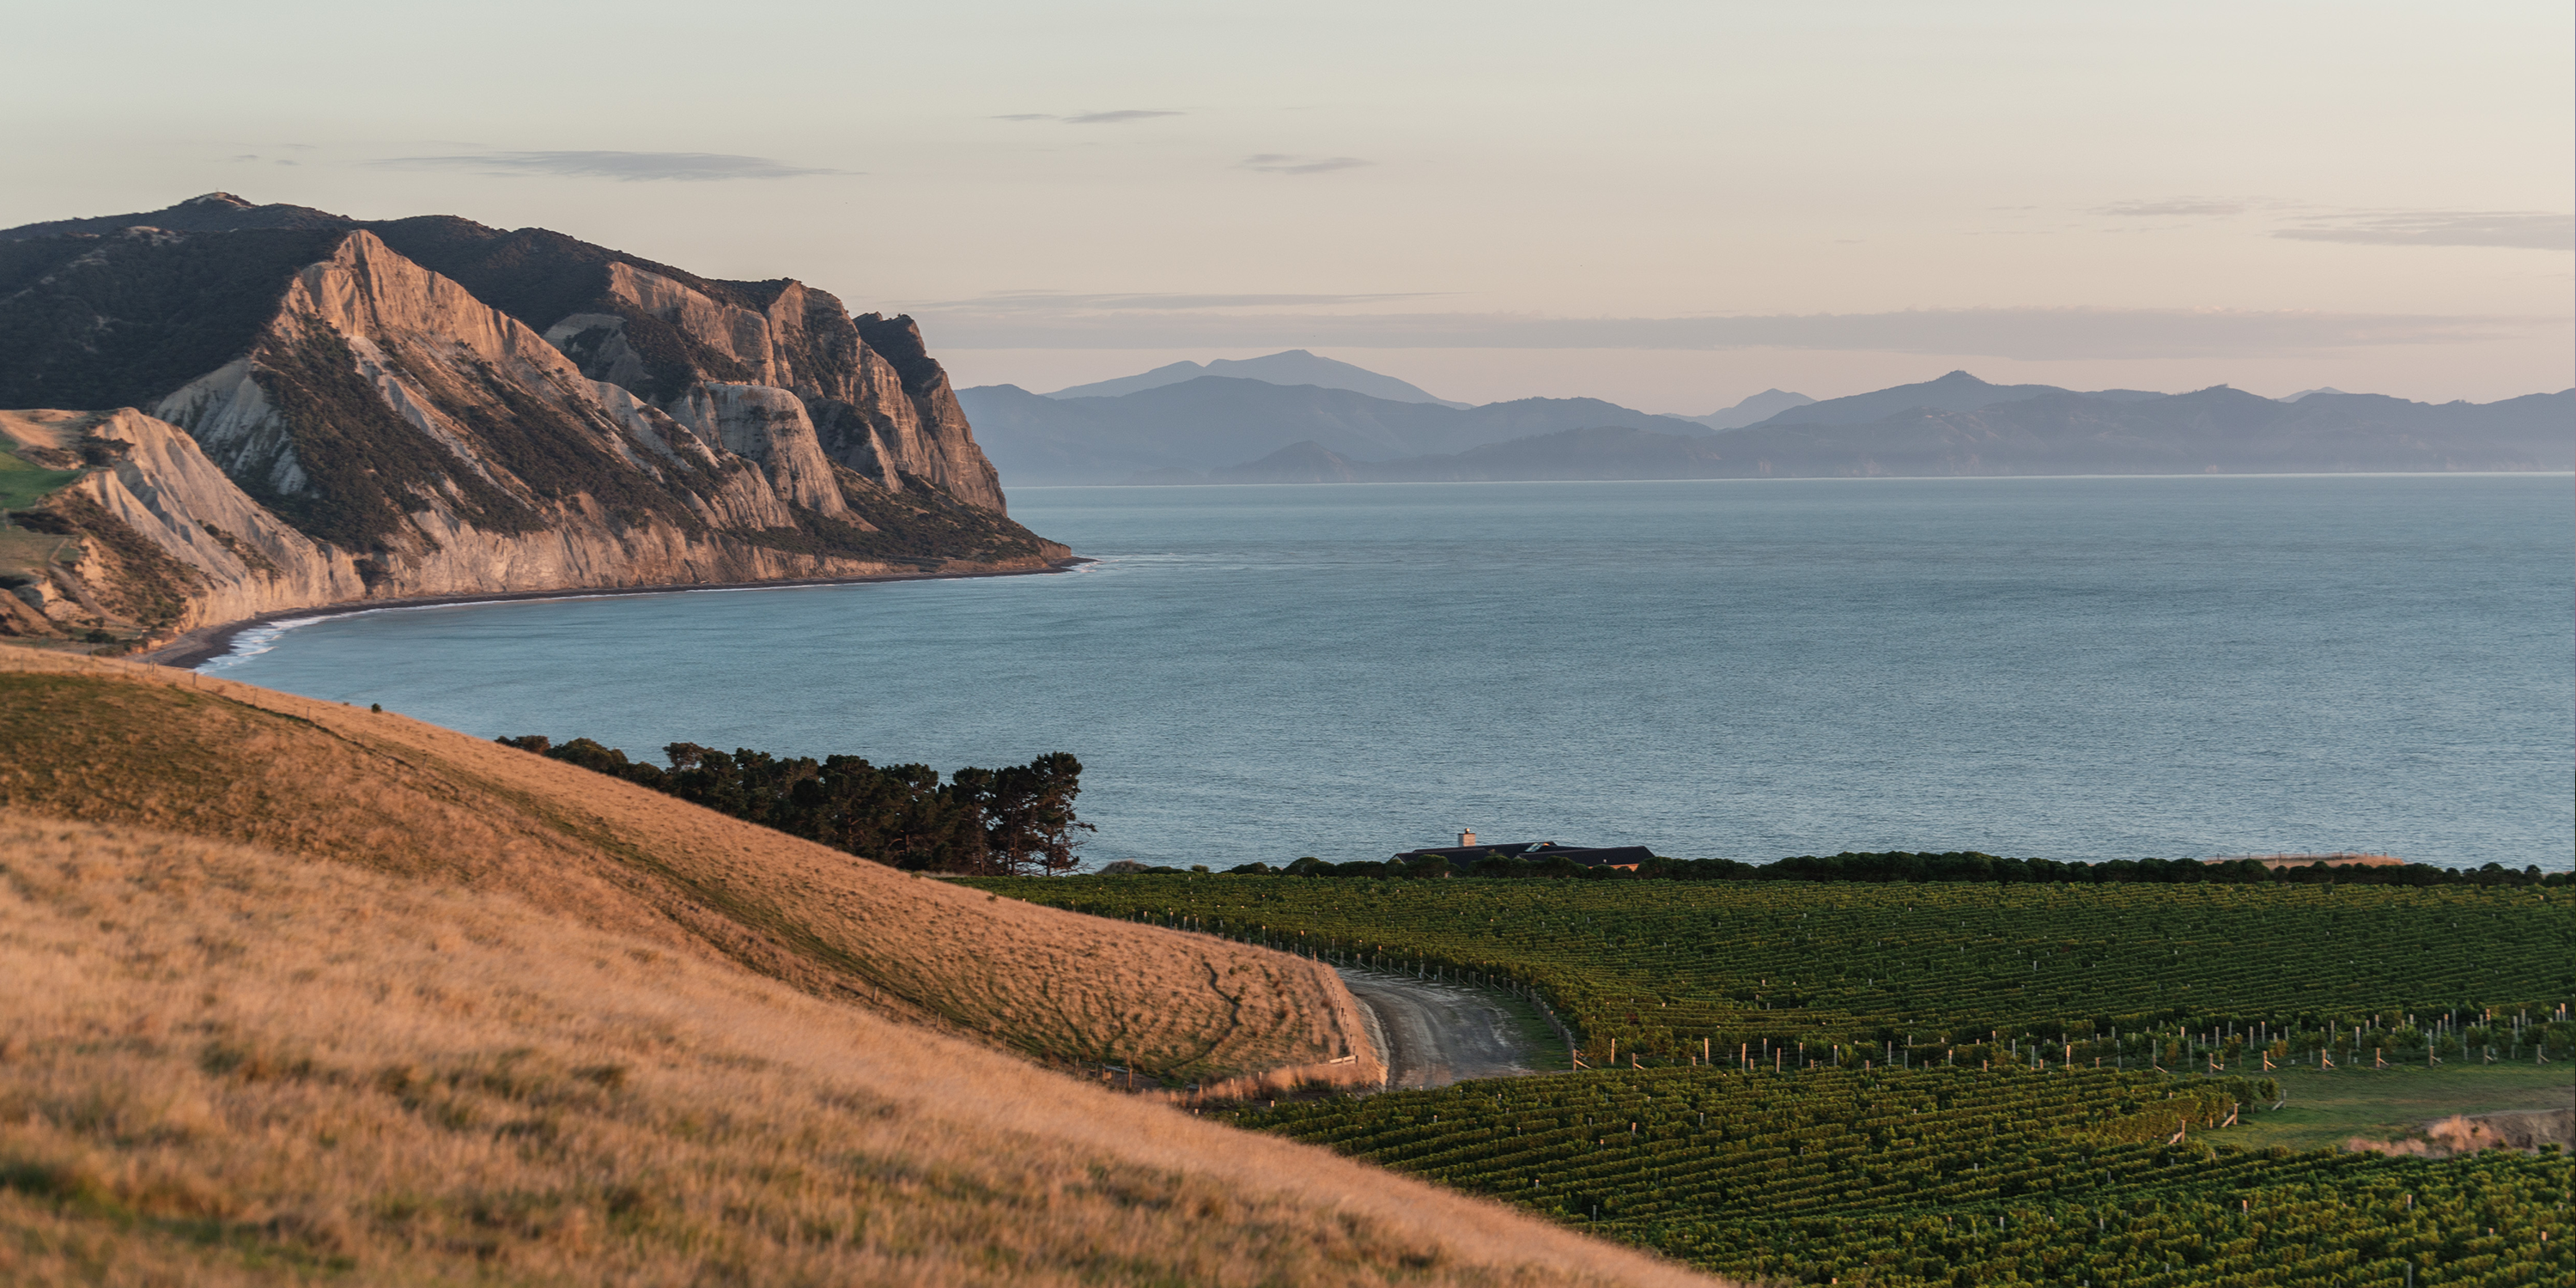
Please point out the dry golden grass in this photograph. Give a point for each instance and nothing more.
(223, 1065)
(2460, 1134)
(112, 742)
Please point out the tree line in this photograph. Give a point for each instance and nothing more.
(1907, 866)
(1014, 821)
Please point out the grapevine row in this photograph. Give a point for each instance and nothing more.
(1951, 1176)
(1789, 974)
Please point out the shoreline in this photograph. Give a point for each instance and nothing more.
(195, 648)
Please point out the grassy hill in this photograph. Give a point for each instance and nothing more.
(111, 743)
(303, 992)
(225, 1065)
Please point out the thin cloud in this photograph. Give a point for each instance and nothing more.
(685, 167)
(1070, 303)
(2203, 206)
(1119, 117)
(2517, 229)
(2037, 334)
(1282, 163)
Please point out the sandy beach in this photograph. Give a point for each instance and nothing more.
(206, 643)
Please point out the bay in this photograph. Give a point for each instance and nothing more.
(2070, 668)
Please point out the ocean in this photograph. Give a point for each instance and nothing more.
(2070, 668)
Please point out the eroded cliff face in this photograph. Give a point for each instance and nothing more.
(878, 404)
(493, 460)
(418, 440)
(938, 422)
(153, 535)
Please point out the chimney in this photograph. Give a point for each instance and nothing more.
(1466, 838)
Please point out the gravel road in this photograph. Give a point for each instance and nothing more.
(1434, 1034)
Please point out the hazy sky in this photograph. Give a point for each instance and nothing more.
(1669, 205)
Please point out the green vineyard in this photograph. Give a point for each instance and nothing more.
(1955, 1176)
(1779, 973)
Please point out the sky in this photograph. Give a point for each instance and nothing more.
(1671, 206)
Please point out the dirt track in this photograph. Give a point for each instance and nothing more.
(1434, 1034)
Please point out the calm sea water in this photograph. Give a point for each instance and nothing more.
(2075, 668)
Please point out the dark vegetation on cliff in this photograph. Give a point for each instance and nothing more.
(1013, 821)
(149, 587)
(366, 466)
(920, 524)
(118, 321)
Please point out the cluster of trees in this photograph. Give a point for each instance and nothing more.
(1900, 865)
(1013, 821)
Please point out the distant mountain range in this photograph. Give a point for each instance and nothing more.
(1292, 367)
(1754, 410)
(1217, 429)
(1957, 391)
(1186, 429)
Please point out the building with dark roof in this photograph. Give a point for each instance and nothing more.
(1469, 851)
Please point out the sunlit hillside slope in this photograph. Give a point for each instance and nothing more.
(108, 742)
(221, 1065)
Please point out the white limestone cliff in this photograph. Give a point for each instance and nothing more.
(241, 560)
(805, 345)
(436, 356)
